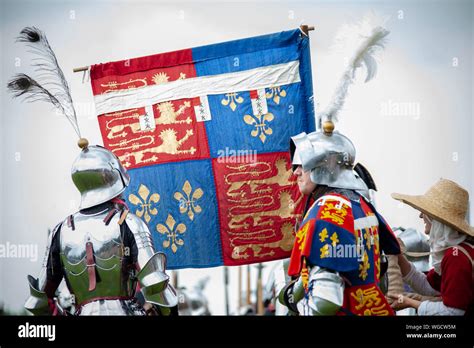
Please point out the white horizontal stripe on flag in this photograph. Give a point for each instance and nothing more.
(258, 78)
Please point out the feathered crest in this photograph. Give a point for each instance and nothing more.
(23, 85)
(369, 39)
(50, 84)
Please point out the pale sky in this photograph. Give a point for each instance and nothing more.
(411, 125)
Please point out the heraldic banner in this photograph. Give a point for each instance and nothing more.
(204, 134)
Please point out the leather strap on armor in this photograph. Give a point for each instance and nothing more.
(90, 266)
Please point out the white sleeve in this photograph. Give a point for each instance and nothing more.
(418, 282)
(438, 308)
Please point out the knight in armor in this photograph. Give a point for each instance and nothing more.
(337, 259)
(103, 252)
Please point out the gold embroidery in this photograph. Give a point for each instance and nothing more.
(364, 266)
(170, 145)
(160, 78)
(131, 84)
(285, 210)
(305, 276)
(253, 206)
(285, 243)
(323, 235)
(118, 131)
(380, 310)
(172, 233)
(324, 251)
(376, 251)
(275, 93)
(368, 237)
(282, 178)
(144, 202)
(262, 130)
(301, 236)
(167, 116)
(370, 300)
(333, 213)
(135, 144)
(376, 242)
(334, 238)
(187, 202)
(232, 99)
(377, 268)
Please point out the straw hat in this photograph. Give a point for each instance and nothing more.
(445, 201)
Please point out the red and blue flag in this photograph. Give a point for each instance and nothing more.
(204, 133)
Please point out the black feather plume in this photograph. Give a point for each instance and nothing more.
(29, 34)
(50, 84)
(24, 86)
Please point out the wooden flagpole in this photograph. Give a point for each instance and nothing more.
(175, 279)
(82, 68)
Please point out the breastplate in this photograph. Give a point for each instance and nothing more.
(111, 275)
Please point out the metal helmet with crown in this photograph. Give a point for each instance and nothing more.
(328, 154)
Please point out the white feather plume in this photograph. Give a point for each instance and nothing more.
(370, 39)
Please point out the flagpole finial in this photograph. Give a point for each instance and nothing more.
(306, 29)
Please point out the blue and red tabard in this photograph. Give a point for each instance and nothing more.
(346, 236)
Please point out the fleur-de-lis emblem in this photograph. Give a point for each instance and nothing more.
(231, 100)
(261, 127)
(187, 202)
(276, 93)
(145, 204)
(364, 266)
(172, 232)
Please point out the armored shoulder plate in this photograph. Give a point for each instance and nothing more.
(154, 281)
(142, 237)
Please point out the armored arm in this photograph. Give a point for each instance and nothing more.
(325, 292)
(43, 288)
(151, 265)
(291, 294)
